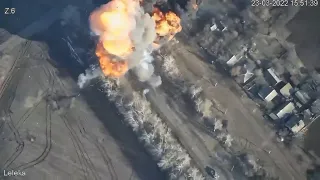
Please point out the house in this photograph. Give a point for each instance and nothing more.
(267, 93)
(295, 124)
(271, 77)
(281, 111)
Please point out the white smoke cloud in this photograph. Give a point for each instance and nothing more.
(91, 73)
(155, 81)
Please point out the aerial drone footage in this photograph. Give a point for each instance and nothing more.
(159, 89)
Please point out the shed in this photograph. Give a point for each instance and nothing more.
(267, 93)
(281, 111)
(295, 123)
(213, 27)
(233, 60)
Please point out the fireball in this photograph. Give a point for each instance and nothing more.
(110, 67)
(167, 24)
(115, 21)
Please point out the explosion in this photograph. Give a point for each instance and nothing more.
(126, 36)
(108, 66)
(113, 22)
(167, 24)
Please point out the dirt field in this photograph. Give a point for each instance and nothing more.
(75, 144)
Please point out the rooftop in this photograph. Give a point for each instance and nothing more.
(267, 93)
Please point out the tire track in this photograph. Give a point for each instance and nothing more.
(29, 111)
(103, 152)
(8, 95)
(84, 155)
(84, 170)
(18, 140)
(48, 144)
(11, 73)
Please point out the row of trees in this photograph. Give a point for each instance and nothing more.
(153, 132)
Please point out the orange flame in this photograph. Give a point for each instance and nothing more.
(110, 67)
(166, 24)
(113, 22)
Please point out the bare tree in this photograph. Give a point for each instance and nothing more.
(170, 68)
(228, 140)
(195, 91)
(158, 138)
(206, 108)
(236, 71)
(195, 174)
(218, 125)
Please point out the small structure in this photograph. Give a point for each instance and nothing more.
(267, 93)
(247, 76)
(272, 77)
(295, 124)
(232, 61)
(213, 27)
(283, 110)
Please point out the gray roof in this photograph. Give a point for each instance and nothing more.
(286, 108)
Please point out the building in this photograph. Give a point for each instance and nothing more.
(271, 77)
(234, 59)
(267, 93)
(282, 111)
(295, 124)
